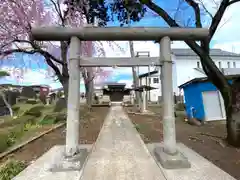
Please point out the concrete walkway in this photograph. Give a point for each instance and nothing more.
(119, 152)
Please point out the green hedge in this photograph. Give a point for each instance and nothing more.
(53, 118)
(15, 108)
(4, 144)
(31, 101)
(20, 120)
(8, 138)
(22, 99)
(35, 111)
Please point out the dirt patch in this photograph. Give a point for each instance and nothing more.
(207, 140)
(90, 125)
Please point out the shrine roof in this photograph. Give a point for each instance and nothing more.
(147, 88)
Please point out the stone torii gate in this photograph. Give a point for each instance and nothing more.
(169, 155)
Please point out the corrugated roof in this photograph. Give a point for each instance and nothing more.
(205, 79)
(147, 88)
(115, 84)
(146, 74)
(213, 52)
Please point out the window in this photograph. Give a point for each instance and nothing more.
(234, 64)
(155, 80)
(219, 65)
(228, 64)
(198, 64)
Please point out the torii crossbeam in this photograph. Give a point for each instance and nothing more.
(117, 34)
(120, 62)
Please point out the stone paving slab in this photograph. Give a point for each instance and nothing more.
(119, 152)
(201, 168)
(39, 170)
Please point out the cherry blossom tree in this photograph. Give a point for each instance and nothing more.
(18, 17)
(2, 94)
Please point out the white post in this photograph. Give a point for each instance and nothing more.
(169, 132)
(72, 132)
(148, 83)
(161, 84)
(144, 100)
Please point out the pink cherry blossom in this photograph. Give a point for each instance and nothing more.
(17, 17)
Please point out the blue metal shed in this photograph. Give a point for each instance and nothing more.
(203, 100)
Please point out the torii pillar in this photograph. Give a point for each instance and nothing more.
(72, 131)
(168, 155)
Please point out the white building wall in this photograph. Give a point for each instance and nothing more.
(155, 92)
(231, 71)
(186, 69)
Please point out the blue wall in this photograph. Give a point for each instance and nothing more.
(193, 97)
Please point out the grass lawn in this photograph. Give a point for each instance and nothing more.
(26, 123)
(89, 128)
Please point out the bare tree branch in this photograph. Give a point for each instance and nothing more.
(91, 79)
(8, 52)
(54, 67)
(178, 8)
(38, 49)
(58, 10)
(224, 23)
(160, 11)
(206, 61)
(215, 2)
(204, 7)
(217, 18)
(196, 8)
(232, 2)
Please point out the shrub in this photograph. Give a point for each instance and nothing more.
(8, 138)
(11, 168)
(3, 142)
(20, 120)
(28, 92)
(22, 99)
(34, 111)
(15, 108)
(60, 105)
(31, 101)
(43, 99)
(30, 126)
(53, 118)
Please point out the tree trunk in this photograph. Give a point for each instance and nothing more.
(232, 106)
(134, 71)
(136, 84)
(90, 95)
(6, 103)
(135, 76)
(88, 81)
(230, 94)
(65, 84)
